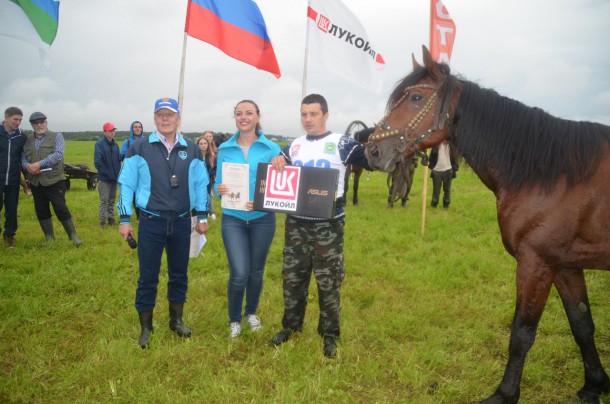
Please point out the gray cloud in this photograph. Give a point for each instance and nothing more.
(112, 59)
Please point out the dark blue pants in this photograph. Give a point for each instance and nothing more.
(246, 244)
(156, 234)
(9, 199)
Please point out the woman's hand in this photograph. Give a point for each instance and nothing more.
(222, 189)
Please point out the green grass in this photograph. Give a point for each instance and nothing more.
(423, 320)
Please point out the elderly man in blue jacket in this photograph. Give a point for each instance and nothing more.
(169, 179)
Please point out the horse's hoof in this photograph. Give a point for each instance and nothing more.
(586, 396)
(498, 399)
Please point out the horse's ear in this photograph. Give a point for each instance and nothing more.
(431, 65)
(416, 65)
(428, 61)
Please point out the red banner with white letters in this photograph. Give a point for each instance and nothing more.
(442, 32)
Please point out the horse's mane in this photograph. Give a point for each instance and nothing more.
(527, 146)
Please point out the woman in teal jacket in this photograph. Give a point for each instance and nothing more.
(246, 234)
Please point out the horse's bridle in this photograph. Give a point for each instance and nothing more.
(441, 116)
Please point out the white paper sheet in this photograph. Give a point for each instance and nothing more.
(197, 240)
(236, 177)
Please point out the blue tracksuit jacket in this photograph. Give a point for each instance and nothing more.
(261, 151)
(146, 171)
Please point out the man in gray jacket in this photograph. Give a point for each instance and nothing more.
(43, 159)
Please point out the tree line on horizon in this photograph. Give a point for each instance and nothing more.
(90, 135)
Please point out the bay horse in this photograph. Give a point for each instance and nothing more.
(550, 178)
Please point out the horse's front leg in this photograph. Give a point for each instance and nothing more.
(348, 172)
(355, 186)
(573, 291)
(534, 280)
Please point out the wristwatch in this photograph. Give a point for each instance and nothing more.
(202, 220)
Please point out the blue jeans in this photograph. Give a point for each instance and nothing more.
(9, 198)
(156, 234)
(246, 244)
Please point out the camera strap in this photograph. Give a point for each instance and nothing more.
(169, 153)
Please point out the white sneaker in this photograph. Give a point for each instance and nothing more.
(213, 216)
(235, 329)
(254, 322)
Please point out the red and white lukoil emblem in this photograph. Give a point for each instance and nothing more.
(323, 23)
(283, 185)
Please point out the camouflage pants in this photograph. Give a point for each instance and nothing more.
(317, 247)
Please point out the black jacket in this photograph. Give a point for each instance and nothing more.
(453, 156)
(11, 147)
(106, 160)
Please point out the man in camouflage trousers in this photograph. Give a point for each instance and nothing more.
(305, 243)
(316, 244)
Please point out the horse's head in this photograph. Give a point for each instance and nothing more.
(418, 115)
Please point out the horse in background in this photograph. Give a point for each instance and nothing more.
(550, 177)
(361, 136)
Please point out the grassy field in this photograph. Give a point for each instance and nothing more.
(424, 320)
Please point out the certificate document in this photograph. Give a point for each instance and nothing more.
(236, 177)
(197, 240)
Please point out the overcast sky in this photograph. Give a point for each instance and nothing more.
(112, 59)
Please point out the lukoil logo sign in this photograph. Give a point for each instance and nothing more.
(282, 188)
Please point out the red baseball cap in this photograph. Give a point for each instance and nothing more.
(108, 126)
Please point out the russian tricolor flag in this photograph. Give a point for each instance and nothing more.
(236, 27)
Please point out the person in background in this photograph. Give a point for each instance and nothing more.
(167, 176)
(43, 159)
(210, 164)
(209, 135)
(12, 141)
(135, 133)
(444, 164)
(136, 130)
(247, 235)
(106, 160)
(313, 244)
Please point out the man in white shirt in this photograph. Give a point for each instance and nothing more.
(444, 165)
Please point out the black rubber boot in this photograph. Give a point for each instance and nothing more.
(47, 228)
(175, 320)
(281, 336)
(71, 232)
(330, 347)
(146, 318)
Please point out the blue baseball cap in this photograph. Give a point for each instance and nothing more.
(168, 103)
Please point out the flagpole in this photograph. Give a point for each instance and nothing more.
(425, 190)
(181, 83)
(304, 82)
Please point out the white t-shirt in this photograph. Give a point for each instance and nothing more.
(444, 158)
